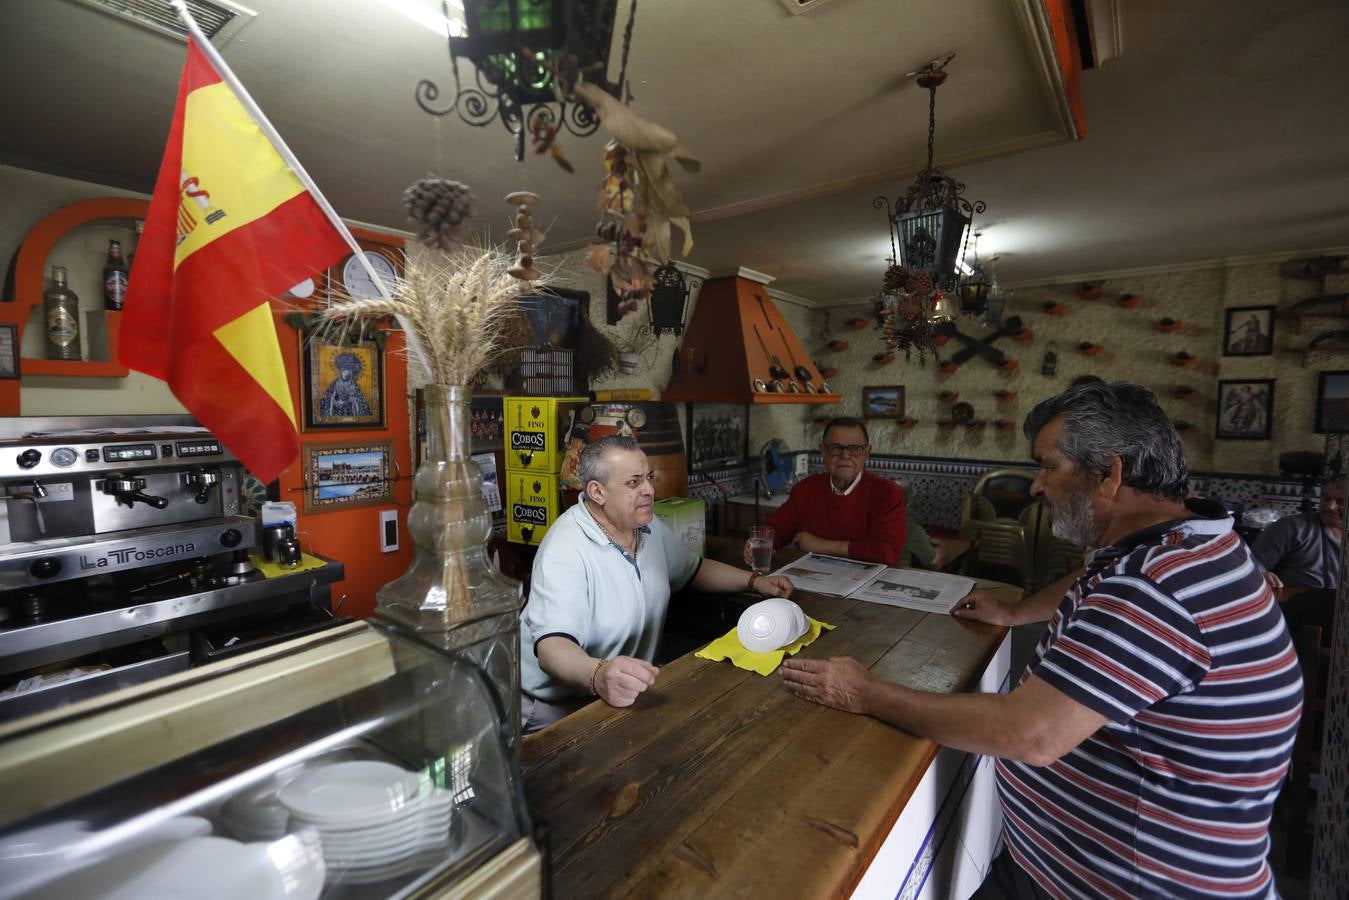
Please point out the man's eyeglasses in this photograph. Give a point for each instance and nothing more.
(849, 449)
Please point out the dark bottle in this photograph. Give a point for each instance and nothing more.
(61, 310)
(114, 277)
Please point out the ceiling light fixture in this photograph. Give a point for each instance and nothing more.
(528, 56)
(929, 225)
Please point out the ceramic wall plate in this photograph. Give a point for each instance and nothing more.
(962, 412)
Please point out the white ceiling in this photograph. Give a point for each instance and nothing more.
(1221, 130)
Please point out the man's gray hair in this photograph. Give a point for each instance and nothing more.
(594, 466)
(1118, 419)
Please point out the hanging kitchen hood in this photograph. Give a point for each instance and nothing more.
(739, 349)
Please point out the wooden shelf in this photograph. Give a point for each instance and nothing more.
(82, 368)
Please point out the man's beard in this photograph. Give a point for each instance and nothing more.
(1074, 520)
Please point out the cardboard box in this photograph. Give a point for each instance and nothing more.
(536, 431)
(686, 517)
(531, 506)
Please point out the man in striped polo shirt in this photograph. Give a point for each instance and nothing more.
(1141, 754)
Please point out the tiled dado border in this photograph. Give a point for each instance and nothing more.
(937, 487)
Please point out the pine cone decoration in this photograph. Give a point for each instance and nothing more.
(919, 283)
(895, 277)
(443, 209)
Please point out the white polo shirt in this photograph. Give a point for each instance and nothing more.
(585, 588)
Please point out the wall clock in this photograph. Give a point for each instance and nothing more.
(357, 282)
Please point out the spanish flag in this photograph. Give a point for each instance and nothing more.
(230, 226)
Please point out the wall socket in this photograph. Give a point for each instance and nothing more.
(802, 464)
(388, 530)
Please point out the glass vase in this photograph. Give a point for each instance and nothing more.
(452, 596)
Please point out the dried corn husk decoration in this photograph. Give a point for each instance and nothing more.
(639, 200)
(459, 307)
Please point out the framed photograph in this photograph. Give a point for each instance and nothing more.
(343, 387)
(340, 476)
(883, 402)
(718, 435)
(9, 350)
(1249, 331)
(1245, 410)
(1332, 403)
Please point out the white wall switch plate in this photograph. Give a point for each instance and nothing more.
(388, 530)
(802, 463)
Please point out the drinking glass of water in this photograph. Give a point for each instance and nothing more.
(761, 547)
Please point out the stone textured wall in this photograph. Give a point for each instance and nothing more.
(1133, 349)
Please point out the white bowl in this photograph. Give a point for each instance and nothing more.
(771, 625)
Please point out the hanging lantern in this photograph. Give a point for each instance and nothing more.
(975, 290)
(528, 56)
(669, 299)
(929, 224)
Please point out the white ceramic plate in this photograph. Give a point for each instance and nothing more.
(202, 868)
(349, 793)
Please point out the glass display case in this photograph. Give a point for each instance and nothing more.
(355, 763)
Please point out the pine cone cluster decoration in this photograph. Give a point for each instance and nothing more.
(895, 277)
(443, 210)
(919, 283)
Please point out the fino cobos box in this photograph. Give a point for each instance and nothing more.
(687, 518)
(534, 440)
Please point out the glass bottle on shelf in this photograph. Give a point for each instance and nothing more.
(114, 277)
(61, 315)
(131, 254)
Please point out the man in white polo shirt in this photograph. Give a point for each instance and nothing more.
(600, 587)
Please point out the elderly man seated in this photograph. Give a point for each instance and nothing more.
(845, 510)
(600, 587)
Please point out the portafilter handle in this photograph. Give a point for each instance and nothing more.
(128, 490)
(203, 480)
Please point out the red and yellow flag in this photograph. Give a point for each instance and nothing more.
(230, 226)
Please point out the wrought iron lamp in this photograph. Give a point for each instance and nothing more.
(527, 56)
(669, 299)
(930, 222)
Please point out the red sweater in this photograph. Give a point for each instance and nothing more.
(871, 519)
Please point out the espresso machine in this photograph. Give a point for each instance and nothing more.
(124, 557)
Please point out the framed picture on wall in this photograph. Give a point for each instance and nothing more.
(1332, 402)
(9, 350)
(342, 386)
(883, 402)
(718, 435)
(1249, 331)
(1245, 410)
(340, 476)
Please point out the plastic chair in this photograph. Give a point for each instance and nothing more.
(1007, 489)
(1054, 556)
(999, 549)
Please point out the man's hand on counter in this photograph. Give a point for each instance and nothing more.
(773, 586)
(840, 682)
(982, 606)
(622, 678)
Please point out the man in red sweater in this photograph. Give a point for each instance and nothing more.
(844, 511)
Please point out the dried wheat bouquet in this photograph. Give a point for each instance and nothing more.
(457, 307)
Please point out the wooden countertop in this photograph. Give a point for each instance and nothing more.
(718, 782)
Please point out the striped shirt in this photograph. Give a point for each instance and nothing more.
(1173, 635)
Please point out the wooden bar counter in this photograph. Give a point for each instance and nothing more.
(719, 783)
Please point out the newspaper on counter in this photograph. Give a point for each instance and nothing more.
(933, 592)
(918, 589)
(830, 574)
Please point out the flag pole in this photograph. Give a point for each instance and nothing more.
(265, 126)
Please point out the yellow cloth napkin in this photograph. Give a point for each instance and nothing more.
(276, 570)
(728, 646)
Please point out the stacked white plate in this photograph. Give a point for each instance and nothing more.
(203, 868)
(368, 814)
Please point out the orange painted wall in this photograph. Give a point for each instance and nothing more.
(352, 536)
